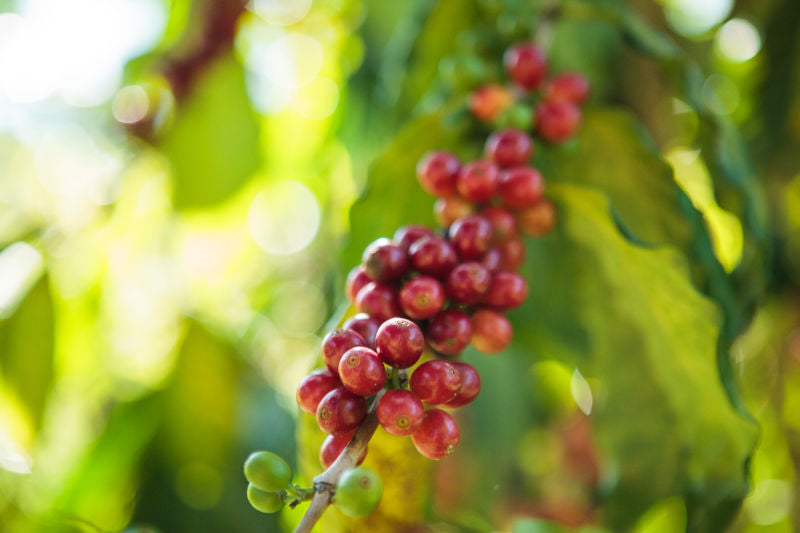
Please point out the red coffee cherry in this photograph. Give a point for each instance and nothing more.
(450, 331)
(492, 259)
(378, 300)
(539, 219)
(491, 331)
(333, 446)
(503, 224)
(422, 297)
(557, 120)
(400, 412)
(477, 181)
(448, 210)
(384, 261)
(512, 254)
(433, 256)
(521, 187)
(399, 342)
(362, 371)
(335, 343)
(507, 290)
(467, 283)
(408, 235)
(488, 102)
(470, 237)
(526, 65)
(438, 435)
(570, 86)
(356, 279)
(435, 382)
(340, 411)
(437, 173)
(314, 387)
(509, 148)
(470, 385)
(366, 326)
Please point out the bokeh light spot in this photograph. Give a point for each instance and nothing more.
(317, 100)
(695, 17)
(284, 218)
(130, 104)
(282, 12)
(738, 40)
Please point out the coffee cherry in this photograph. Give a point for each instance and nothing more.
(470, 385)
(491, 331)
(358, 492)
(422, 297)
(503, 224)
(438, 436)
(557, 120)
(335, 343)
(378, 300)
(449, 332)
(570, 87)
(448, 210)
(408, 235)
(333, 446)
(437, 173)
(435, 382)
(384, 261)
(400, 412)
(366, 326)
(539, 219)
(470, 237)
(267, 471)
(313, 387)
(487, 103)
(399, 342)
(467, 283)
(340, 411)
(512, 253)
(492, 259)
(361, 371)
(477, 181)
(509, 148)
(263, 501)
(356, 279)
(526, 65)
(433, 256)
(507, 290)
(521, 187)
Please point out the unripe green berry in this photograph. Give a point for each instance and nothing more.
(263, 501)
(267, 471)
(358, 492)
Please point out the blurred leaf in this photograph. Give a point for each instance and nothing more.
(213, 146)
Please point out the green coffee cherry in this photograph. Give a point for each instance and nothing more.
(358, 492)
(265, 502)
(267, 471)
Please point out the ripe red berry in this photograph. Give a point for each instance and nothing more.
(470, 385)
(356, 279)
(503, 224)
(507, 290)
(539, 219)
(512, 254)
(488, 102)
(361, 371)
(405, 236)
(477, 181)
(422, 297)
(335, 343)
(526, 65)
(448, 210)
(340, 411)
(438, 435)
(437, 173)
(433, 256)
(521, 187)
(366, 326)
(378, 300)
(470, 237)
(435, 382)
(399, 342)
(557, 120)
(492, 259)
(467, 283)
(400, 412)
(314, 387)
(449, 332)
(491, 331)
(569, 86)
(509, 148)
(333, 446)
(384, 261)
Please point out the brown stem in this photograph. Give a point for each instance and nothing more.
(325, 483)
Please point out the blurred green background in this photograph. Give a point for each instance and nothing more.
(184, 185)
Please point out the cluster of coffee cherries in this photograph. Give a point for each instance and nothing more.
(548, 105)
